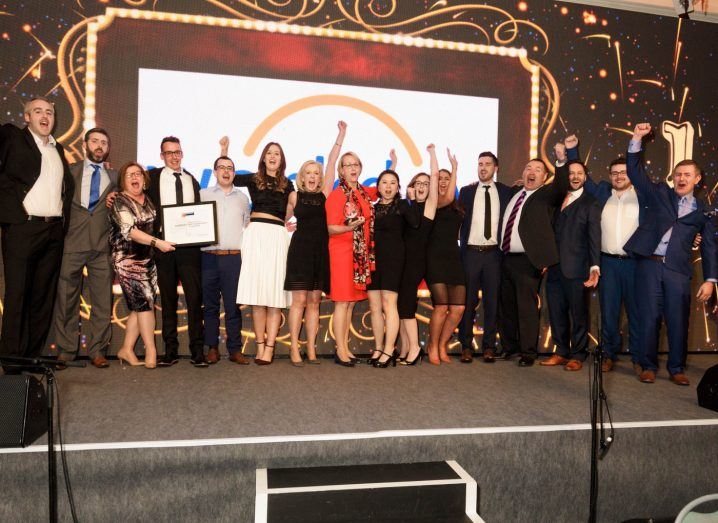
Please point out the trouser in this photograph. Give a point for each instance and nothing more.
(482, 270)
(518, 305)
(568, 313)
(220, 275)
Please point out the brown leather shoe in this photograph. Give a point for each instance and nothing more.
(607, 365)
(647, 376)
(61, 359)
(212, 355)
(637, 369)
(239, 358)
(553, 361)
(680, 379)
(100, 362)
(489, 355)
(573, 365)
(466, 356)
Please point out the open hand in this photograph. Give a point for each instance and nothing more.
(560, 151)
(705, 291)
(592, 280)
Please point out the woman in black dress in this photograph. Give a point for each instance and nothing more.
(393, 215)
(308, 257)
(132, 217)
(422, 189)
(444, 271)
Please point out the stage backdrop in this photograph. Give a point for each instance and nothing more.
(507, 77)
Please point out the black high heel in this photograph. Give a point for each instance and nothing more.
(372, 360)
(342, 362)
(265, 362)
(392, 359)
(257, 360)
(416, 360)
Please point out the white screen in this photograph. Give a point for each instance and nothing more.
(199, 108)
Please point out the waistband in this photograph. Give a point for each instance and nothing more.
(47, 219)
(482, 248)
(617, 256)
(223, 252)
(656, 257)
(266, 220)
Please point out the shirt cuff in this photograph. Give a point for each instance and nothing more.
(634, 146)
(712, 280)
(595, 268)
(560, 163)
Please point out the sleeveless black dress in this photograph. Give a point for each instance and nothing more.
(415, 243)
(308, 256)
(443, 258)
(389, 225)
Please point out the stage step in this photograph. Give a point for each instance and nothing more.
(436, 492)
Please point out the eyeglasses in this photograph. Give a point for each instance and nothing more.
(134, 175)
(172, 153)
(348, 165)
(421, 184)
(616, 173)
(226, 168)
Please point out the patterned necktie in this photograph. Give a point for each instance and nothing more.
(178, 188)
(94, 187)
(487, 213)
(506, 242)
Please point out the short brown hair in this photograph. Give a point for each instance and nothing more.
(123, 171)
(686, 163)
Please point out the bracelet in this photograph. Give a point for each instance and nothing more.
(153, 242)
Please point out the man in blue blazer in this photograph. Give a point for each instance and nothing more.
(484, 202)
(622, 208)
(663, 244)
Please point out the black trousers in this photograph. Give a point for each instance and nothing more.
(568, 312)
(518, 305)
(32, 256)
(183, 265)
(482, 270)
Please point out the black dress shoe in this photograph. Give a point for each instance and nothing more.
(199, 361)
(168, 360)
(506, 355)
(526, 361)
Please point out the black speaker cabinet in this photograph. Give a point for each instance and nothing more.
(708, 389)
(23, 410)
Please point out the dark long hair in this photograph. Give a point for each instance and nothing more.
(262, 179)
(389, 172)
(455, 205)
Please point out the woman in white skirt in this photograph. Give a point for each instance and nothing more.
(264, 248)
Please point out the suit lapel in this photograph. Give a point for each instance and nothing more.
(76, 171)
(30, 139)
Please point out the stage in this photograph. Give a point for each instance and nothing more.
(183, 444)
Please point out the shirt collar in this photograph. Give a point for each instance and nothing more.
(216, 188)
(38, 140)
(630, 189)
(688, 197)
(89, 163)
(575, 195)
(484, 184)
(172, 171)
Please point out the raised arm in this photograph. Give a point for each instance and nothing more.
(330, 168)
(394, 161)
(433, 198)
(635, 167)
(451, 190)
(224, 146)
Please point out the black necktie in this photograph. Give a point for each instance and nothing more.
(487, 213)
(178, 188)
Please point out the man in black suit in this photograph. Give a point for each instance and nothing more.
(529, 247)
(172, 185)
(577, 227)
(484, 202)
(36, 190)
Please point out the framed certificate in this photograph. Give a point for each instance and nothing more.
(190, 225)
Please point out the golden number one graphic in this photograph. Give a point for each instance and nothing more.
(680, 139)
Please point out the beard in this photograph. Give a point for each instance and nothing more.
(94, 157)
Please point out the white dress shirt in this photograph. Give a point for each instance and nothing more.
(45, 197)
(476, 233)
(517, 245)
(232, 216)
(87, 171)
(619, 220)
(168, 196)
(573, 196)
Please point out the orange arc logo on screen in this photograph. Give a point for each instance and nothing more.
(332, 99)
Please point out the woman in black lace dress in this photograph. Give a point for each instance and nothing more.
(444, 271)
(308, 257)
(393, 216)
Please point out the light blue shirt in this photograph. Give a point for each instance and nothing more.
(686, 205)
(232, 216)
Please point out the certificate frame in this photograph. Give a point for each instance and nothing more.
(187, 234)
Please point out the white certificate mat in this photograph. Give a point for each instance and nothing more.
(189, 225)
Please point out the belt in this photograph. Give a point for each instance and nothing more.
(514, 254)
(656, 257)
(617, 256)
(47, 219)
(223, 252)
(482, 248)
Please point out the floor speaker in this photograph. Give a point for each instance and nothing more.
(708, 389)
(23, 410)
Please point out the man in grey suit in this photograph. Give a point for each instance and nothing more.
(86, 245)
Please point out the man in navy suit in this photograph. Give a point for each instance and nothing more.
(622, 207)
(484, 202)
(577, 226)
(663, 244)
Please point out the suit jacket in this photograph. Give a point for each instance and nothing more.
(536, 224)
(467, 195)
(661, 215)
(153, 191)
(20, 163)
(89, 231)
(578, 236)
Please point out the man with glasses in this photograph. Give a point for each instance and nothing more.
(172, 185)
(484, 202)
(222, 262)
(621, 210)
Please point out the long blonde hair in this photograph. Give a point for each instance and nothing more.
(301, 186)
